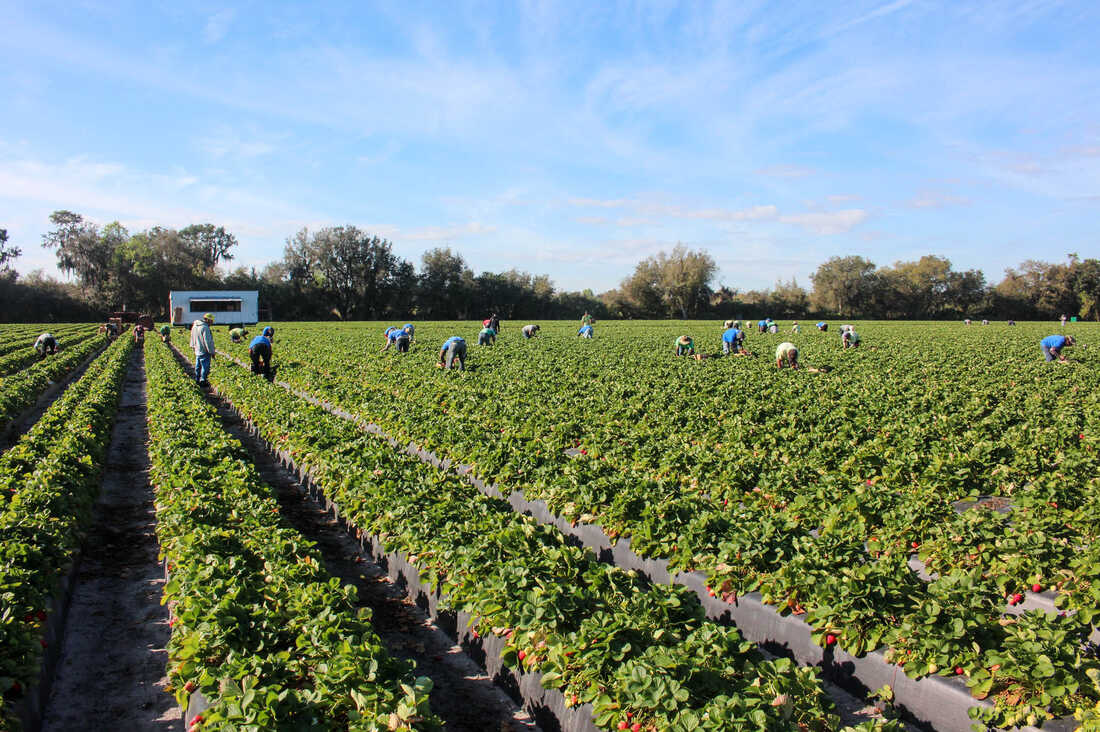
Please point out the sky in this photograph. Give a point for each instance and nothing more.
(561, 138)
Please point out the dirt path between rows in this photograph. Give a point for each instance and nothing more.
(464, 696)
(111, 674)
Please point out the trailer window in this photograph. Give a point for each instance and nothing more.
(216, 306)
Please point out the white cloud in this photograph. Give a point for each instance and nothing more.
(827, 222)
(445, 233)
(217, 25)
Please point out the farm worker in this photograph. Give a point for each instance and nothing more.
(530, 331)
(985, 321)
(45, 343)
(585, 331)
(454, 349)
(1053, 344)
(1012, 322)
(786, 353)
(844, 329)
(139, 334)
(966, 321)
(492, 322)
(269, 333)
(733, 340)
(410, 330)
(237, 334)
(762, 326)
(402, 341)
(202, 340)
(487, 336)
(685, 346)
(391, 337)
(259, 350)
(796, 328)
(849, 339)
(586, 319)
(822, 326)
(1063, 321)
(773, 327)
(165, 333)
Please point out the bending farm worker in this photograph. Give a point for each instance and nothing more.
(586, 331)
(269, 333)
(586, 319)
(139, 334)
(786, 354)
(733, 340)
(237, 334)
(1052, 347)
(45, 343)
(685, 346)
(391, 334)
(404, 338)
(165, 333)
(202, 341)
(259, 351)
(487, 336)
(849, 338)
(410, 329)
(530, 331)
(454, 349)
(822, 326)
(796, 328)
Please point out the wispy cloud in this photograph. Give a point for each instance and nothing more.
(217, 25)
(827, 223)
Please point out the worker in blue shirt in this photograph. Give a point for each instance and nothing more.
(453, 349)
(1052, 346)
(391, 335)
(823, 326)
(762, 326)
(259, 350)
(733, 341)
(586, 331)
(269, 333)
(408, 328)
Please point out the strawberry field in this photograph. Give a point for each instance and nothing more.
(654, 542)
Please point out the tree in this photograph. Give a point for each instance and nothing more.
(81, 250)
(208, 243)
(353, 270)
(445, 285)
(1086, 283)
(7, 254)
(789, 299)
(677, 283)
(843, 285)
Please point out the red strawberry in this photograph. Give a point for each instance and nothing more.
(635, 727)
(959, 671)
(189, 686)
(1036, 587)
(1017, 599)
(522, 655)
(914, 544)
(830, 639)
(623, 725)
(41, 615)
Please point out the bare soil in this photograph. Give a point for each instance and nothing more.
(111, 673)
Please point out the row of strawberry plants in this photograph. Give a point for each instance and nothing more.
(27, 355)
(642, 655)
(774, 537)
(20, 391)
(17, 337)
(267, 636)
(50, 480)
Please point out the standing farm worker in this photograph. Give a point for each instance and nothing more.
(733, 340)
(237, 334)
(530, 331)
(259, 350)
(786, 353)
(165, 333)
(849, 339)
(1052, 346)
(487, 336)
(202, 340)
(45, 343)
(454, 349)
(685, 346)
(586, 331)
(1063, 321)
(822, 326)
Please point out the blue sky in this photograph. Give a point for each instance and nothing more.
(563, 138)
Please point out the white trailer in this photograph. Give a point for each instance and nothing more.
(229, 307)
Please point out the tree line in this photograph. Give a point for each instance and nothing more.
(343, 272)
